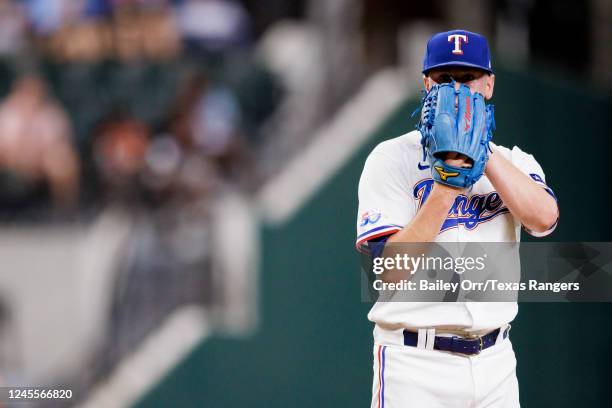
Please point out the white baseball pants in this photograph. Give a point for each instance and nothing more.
(410, 377)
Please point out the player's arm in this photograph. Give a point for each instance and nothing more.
(423, 228)
(382, 188)
(426, 224)
(536, 209)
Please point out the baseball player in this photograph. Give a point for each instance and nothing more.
(448, 182)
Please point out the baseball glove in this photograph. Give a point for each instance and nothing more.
(456, 120)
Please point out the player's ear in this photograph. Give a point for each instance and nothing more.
(426, 83)
(489, 86)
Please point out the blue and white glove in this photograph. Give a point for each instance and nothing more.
(456, 120)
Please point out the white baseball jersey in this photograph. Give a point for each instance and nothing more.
(395, 182)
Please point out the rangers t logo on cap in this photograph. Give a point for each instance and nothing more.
(457, 38)
(451, 48)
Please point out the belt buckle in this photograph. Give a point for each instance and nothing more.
(474, 337)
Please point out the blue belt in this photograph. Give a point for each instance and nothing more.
(464, 345)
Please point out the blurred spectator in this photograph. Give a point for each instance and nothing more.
(206, 122)
(12, 27)
(119, 148)
(128, 30)
(175, 173)
(36, 145)
(97, 9)
(145, 29)
(47, 16)
(213, 25)
(88, 40)
(199, 146)
(215, 121)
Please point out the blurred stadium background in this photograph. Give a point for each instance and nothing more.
(178, 189)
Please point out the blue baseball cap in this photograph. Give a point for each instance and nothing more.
(457, 48)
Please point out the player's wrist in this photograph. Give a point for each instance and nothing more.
(494, 162)
(445, 190)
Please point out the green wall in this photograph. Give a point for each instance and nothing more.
(313, 346)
